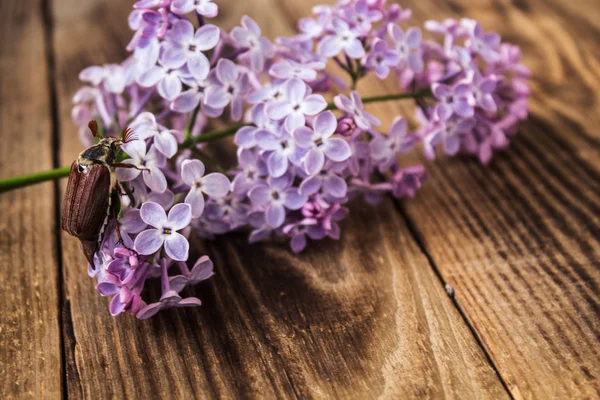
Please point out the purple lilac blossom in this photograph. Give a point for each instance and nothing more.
(300, 160)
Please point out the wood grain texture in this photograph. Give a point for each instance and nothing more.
(30, 350)
(354, 319)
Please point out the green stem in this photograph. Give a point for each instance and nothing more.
(31, 179)
(190, 141)
(211, 136)
(188, 131)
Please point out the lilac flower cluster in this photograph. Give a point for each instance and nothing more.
(300, 158)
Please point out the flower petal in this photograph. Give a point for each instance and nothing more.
(277, 164)
(149, 311)
(152, 76)
(329, 46)
(304, 137)
(192, 171)
(336, 186)
(178, 283)
(313, 104)
(325, 124)
(153, 214)
(195, 199)
(337, 149)
(298, 243)
(127, 174)
(278, 110)
(177, 247)
(311, 185)
(293, 200)
(182, 7)
(314, 161)
(199, 66)
(207, 37)
(179, 216)
(186, 101)
(166, 143)
(413, 37)
(275, 215)
(216, 185)
(169, 87)
(355, 49)
(148, 242)
(227, 71)
(245, 137)
(203, 269)
(267, 140)
(295, 90)
(116, 307)
(172, 56)
(294, 120)
(189, 302)
(259, 195)
(155, 179)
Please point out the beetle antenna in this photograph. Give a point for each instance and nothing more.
(93, 125)
(128, 135)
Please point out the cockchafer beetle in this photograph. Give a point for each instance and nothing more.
(92, 192)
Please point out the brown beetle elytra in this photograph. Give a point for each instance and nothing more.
(87, 207)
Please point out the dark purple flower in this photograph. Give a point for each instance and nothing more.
(406, 181)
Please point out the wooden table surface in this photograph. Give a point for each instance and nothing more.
(366, 317)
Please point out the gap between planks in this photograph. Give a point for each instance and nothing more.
(63, 313)
(414, 231)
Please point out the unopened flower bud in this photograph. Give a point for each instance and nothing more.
(346, 126)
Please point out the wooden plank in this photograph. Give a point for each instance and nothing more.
(353, 319)
(30, 349)
(518, 241)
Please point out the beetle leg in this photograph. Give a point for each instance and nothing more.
(125, 190)
(120, 237)
(114, 211)
(120, 189)
(126, 165)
